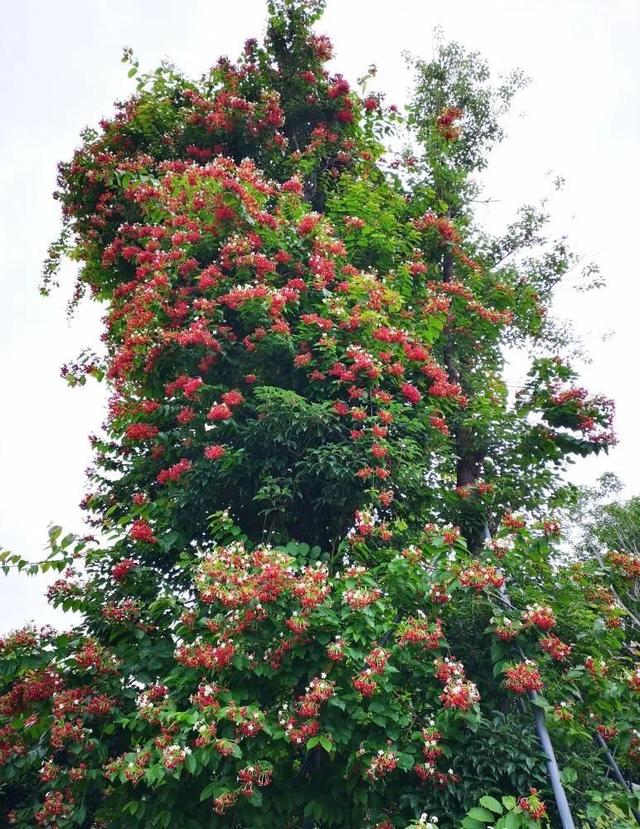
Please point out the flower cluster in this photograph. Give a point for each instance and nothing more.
(523, 677)
(432, 751)
(505, 629)
(532, 805)
(541, 616)
(555, 647)
(381, 765)
(480, 576)
(458, 692)
(420, 631)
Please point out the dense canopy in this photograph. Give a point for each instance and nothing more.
(326, 587)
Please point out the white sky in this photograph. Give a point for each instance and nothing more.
(60, 69)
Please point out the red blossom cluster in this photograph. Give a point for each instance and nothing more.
(523, 678)
(596, 668)
(35, 687)
(335, 650)
(122, 568)
(316, 694)
(206, 655)
(505, 629)
(540, 616)
(420, 631)
(364, 683)
(432, 751)
(607, 732)
(118, 613)
(629, 564)
(458, 692)
(304, 723)
(360, 597)
(555, 647)
(260, 774)
(57, 805)
(512, 522)
(446, 123)
(381, 765)
(141, 531)
(532, 805)
(480, 576)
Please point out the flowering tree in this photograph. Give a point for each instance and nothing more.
(312, 602)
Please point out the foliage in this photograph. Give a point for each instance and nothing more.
(291, 614)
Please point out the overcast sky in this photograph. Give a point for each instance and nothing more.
(61, 71)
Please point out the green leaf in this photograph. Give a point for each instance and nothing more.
(512, 821)
(208, 790)
(256, 798)
(491, 803)
(54, 533)
(569, 775)
(478, 813)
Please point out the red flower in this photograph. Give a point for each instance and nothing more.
(214, 452)
(141, 431)
(377, 660)
(541, 616)
(220, 411)
(440, 424)
(365, 684)
(523, 677)
(607, 732)
(308, 223)
(191, 387)
(459, 694)
(141, 531)
(232, 398)
(410, 393)
(533, 805)
(120, 570)
(555, 647)
(173, 473)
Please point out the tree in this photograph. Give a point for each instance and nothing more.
(289, 617)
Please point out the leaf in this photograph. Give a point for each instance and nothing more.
(491, 803)
(569, 775)
(54, 533)
(512, 821)
(498, 668)
(208, 790)
(256, 798)
(478, 813)
(470, 823)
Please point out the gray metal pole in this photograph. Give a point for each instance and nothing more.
(566, 818)
(611, 762)
(559, 793)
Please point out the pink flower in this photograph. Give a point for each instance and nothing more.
(214, 452)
